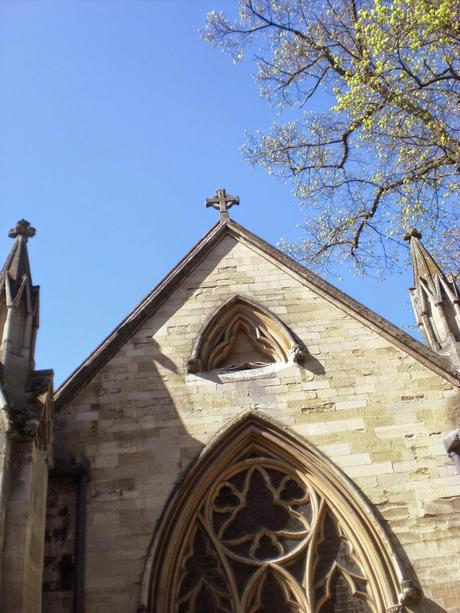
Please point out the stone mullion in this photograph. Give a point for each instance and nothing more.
(312, 558)
(224, 561)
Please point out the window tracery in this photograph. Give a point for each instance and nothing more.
(267, 523)
(263, 526)
(242, 335)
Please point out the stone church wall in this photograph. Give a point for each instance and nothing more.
(4, 465)
(59, 561)
(375, 411)
(23, 546)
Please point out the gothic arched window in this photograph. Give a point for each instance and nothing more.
(265, 524)
(242, 335)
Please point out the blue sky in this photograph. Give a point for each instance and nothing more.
(116, 122)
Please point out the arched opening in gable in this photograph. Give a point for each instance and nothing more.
(243, 335)
(264, 523)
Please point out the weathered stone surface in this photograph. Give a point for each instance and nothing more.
(59, 560)
(377, 412)
(22, 561)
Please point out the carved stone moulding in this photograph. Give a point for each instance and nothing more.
(269, 337)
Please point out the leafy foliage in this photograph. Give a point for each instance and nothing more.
(385, 154)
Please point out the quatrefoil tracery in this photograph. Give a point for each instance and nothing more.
(267, 524)
(264, 509)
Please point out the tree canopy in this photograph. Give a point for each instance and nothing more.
(385, 152)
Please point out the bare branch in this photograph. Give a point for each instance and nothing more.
(387, 152)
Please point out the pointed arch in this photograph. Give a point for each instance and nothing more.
(267, 334)
(274, 514)
(272, 586)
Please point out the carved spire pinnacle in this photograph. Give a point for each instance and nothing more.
(17, 263)
(22, 228)
(424, 267)
(435, 300)
(412, 233)
(222, 202)
(18, 315)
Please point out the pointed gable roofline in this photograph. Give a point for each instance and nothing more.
(121, 334)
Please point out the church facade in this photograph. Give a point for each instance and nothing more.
(249, 439)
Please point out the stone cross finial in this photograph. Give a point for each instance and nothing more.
(22, 228)
(222, 202)
(412, 233)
